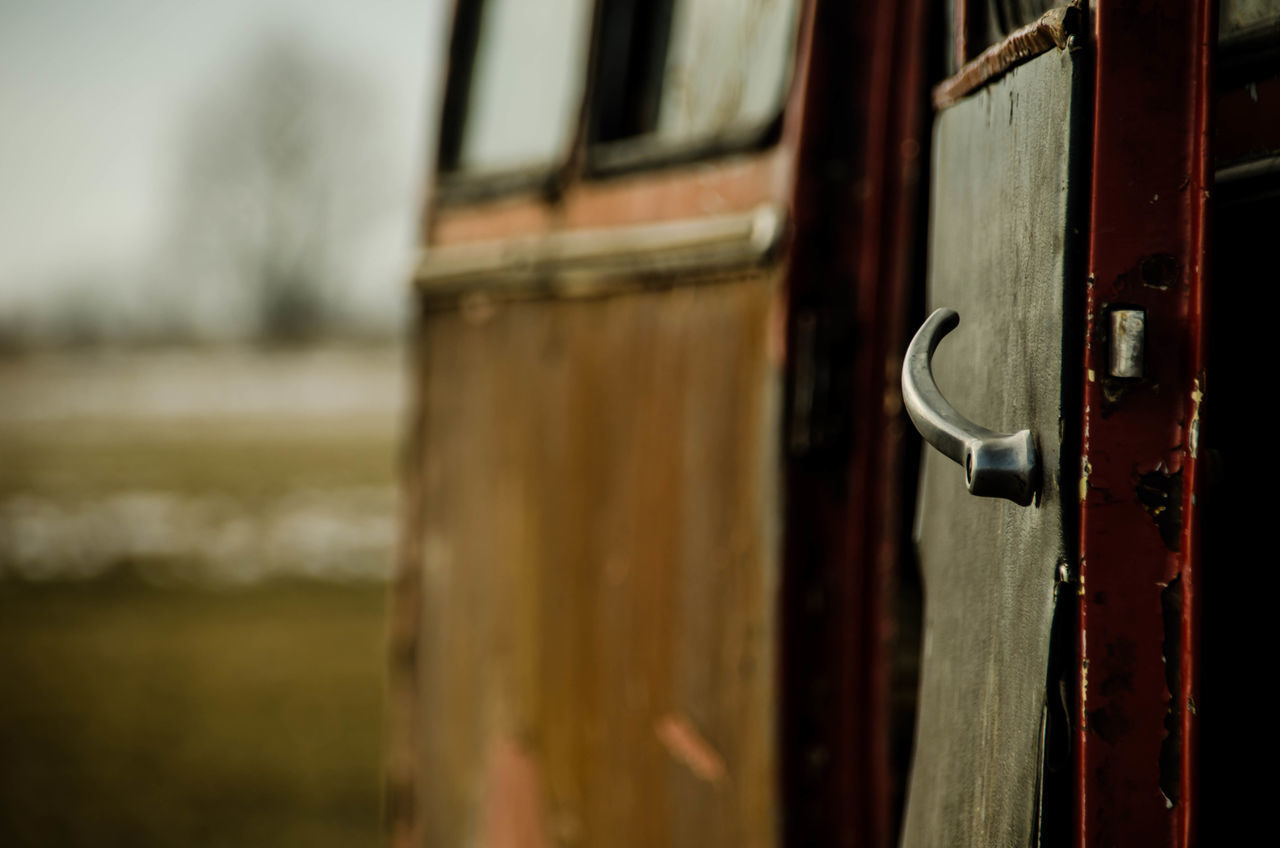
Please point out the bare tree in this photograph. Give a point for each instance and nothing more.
(273, 186)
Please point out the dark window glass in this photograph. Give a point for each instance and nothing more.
(684, 75)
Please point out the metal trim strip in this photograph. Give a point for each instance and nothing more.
(612, 255)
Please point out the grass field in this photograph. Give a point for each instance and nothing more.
(138, 716)
(192, 615)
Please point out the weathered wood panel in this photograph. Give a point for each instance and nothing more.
(597, 553)
(998, 255)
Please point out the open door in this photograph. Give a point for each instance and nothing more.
(1067, 230)
(1000, 242)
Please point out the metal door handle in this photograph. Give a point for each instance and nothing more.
(995, 465)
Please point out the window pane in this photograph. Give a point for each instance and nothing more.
(728, 66)
(526, 84)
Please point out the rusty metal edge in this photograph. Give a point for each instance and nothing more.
(1138, 658)
(1052, 30)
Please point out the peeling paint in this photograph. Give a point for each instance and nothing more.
(1112, 720)
(1171, 747)
(1085, 470)
(1084, 689)
(1108, 723)
(1160, 271)
(684, 743)
(1160, 494)
(515, 814)
(1197, 395)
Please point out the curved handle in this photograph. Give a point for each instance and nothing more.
(995, 465)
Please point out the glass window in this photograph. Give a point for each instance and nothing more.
(683, 77)
(728, 67)
(525, 86)
(688, 77)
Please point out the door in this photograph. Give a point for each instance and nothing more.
(1068, 197)
(999, 244)
(651, 524)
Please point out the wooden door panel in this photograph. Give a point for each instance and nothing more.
(598, 554)
(998, 255)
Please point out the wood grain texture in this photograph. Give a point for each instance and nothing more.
(998, 256)
(598, 556)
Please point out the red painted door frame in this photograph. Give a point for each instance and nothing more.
(1139, 570)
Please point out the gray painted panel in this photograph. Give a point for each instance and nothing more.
(997, 255)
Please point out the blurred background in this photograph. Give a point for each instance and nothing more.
(207, 214)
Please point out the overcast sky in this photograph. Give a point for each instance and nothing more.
(94, 93)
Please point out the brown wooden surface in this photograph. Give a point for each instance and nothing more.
(593, 515)
(609, 419)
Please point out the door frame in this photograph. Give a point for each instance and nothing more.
(1139, 566)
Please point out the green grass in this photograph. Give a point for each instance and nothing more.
(132, 715)
(137, 716)
(244, 460)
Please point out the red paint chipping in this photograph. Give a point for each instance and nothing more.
(684, 743)
(1135, 758)
(514, 814)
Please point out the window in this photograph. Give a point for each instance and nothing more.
(515, 105)
(701, 76)
(727, 66)
(672, 79)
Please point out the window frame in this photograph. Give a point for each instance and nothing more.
(585, 158)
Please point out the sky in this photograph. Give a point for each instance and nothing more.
(95, 94)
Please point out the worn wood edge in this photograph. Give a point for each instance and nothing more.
(1052, 30)
(1255, 33)
(593, 261)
